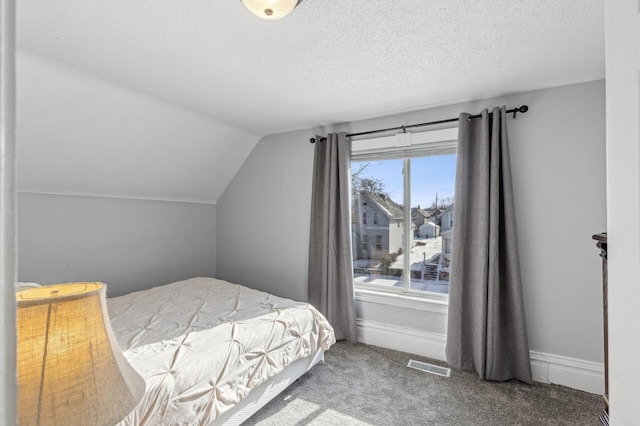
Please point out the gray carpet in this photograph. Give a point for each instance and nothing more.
(367, 385)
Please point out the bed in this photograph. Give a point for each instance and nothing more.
(212, 352)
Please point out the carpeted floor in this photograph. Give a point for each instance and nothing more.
(367, 385)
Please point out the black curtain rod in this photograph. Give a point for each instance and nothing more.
(521, 109)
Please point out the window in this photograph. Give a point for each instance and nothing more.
(365, 242)
(406, 183)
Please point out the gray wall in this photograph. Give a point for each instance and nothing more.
(558, 161)
(127, 244)
(271, 190)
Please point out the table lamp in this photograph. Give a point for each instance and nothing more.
(71, 370)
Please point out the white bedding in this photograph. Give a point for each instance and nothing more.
(202, 344)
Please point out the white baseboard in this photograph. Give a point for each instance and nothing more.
(574, 373)
(419, 342)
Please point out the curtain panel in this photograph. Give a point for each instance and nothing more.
(330, 256)
(486, 324)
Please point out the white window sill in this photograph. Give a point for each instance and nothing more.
(428, 302)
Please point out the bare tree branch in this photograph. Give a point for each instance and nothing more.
(366, 184)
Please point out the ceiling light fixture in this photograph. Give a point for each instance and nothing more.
(270, 9)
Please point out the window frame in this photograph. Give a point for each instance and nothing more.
(428, 143)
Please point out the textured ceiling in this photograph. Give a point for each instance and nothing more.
(328, 61)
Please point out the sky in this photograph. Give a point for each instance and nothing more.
(429, 175)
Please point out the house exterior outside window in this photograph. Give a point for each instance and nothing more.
(387, 223)
(447, 230)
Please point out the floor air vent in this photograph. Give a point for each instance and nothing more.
(429, 368)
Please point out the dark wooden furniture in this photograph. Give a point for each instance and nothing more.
(601, 243)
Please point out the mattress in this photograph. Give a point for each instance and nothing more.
(203, 344)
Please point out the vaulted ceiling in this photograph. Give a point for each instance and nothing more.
(327, 62)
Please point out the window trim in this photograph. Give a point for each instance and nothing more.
(421, 144)
(433, 142)
(423, 301)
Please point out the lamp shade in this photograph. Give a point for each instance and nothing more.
(270, 9)
(71, 370)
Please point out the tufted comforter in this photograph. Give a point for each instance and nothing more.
(202, 344)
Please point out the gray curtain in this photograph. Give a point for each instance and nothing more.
(486, 326)
(330, 258)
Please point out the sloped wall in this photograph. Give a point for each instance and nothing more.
(115, 185)
(79, 134)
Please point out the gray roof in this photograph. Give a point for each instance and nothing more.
(448, 209)
(389, 207)
(423, 212)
